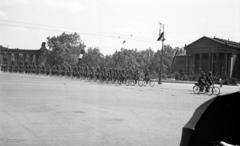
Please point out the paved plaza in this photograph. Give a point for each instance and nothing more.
(38, 110)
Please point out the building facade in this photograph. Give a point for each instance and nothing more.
(219, 56)
(22, 56)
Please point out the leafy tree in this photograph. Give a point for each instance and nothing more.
(93, 57)
(64, 49)
(168, 54)
(125, 59)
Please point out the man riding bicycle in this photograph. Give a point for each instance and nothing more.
(202, 81)
(209, 81)
(136, 76)
(147, 76)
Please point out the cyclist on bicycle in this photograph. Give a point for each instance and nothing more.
(202, 81)
(209, 81)
(147, 76)
(136, 76)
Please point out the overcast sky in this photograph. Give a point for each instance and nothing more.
(106, 23)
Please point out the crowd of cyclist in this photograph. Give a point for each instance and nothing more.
(207, 80)
(82, 71)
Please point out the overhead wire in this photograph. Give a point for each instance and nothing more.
(26, 25)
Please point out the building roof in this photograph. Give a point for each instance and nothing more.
(17, 50)
(224, 42)
(20, 50)
(227, 42)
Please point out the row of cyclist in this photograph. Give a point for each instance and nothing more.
(103, 74)
(206, 83)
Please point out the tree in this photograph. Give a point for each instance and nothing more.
(145, 59)
(125, 59)
(168, 54)
(93, 57)
(64, 49)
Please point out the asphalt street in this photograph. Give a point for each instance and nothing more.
(37, 110)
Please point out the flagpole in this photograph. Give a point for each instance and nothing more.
(161, 57)
(162, 54)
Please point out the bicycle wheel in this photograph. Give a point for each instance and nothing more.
(210, 91)
(216, 90)
(196, 89)
(140, 83)
(144, 83)
(133, 83)
(120, 82)
(128, 82)
(151, 83)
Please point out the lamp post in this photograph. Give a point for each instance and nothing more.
(161, 38)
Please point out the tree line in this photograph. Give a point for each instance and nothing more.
(64, 49)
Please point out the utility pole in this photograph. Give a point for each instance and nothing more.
(161, 38)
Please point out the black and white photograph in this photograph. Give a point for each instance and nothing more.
(119, 72)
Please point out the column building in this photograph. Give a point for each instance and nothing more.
(219, 56)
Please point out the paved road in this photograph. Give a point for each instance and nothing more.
(55, 111)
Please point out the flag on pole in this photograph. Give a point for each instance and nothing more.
(161, 33)
(161, 37)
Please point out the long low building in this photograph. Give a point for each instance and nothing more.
(22, 56)
(219, 56)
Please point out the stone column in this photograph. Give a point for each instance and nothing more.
(16, 58)
(225, 64)
(209, 62)
(212, 62)
(27, 59)
(4, 58)
(228, 64)
(200, 62)
(34, 59)
(9, 58)
(20, 58)
(217, 64)
(31, 59)
(1, 58)
(24, 59)
(196, 67)
(37, 59)
(192, 68)
(12, 58)
(186, 69)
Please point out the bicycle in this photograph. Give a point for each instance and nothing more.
(131, 82)
(213, 90)
(144, 82)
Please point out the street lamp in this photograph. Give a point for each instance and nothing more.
(161, 38)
